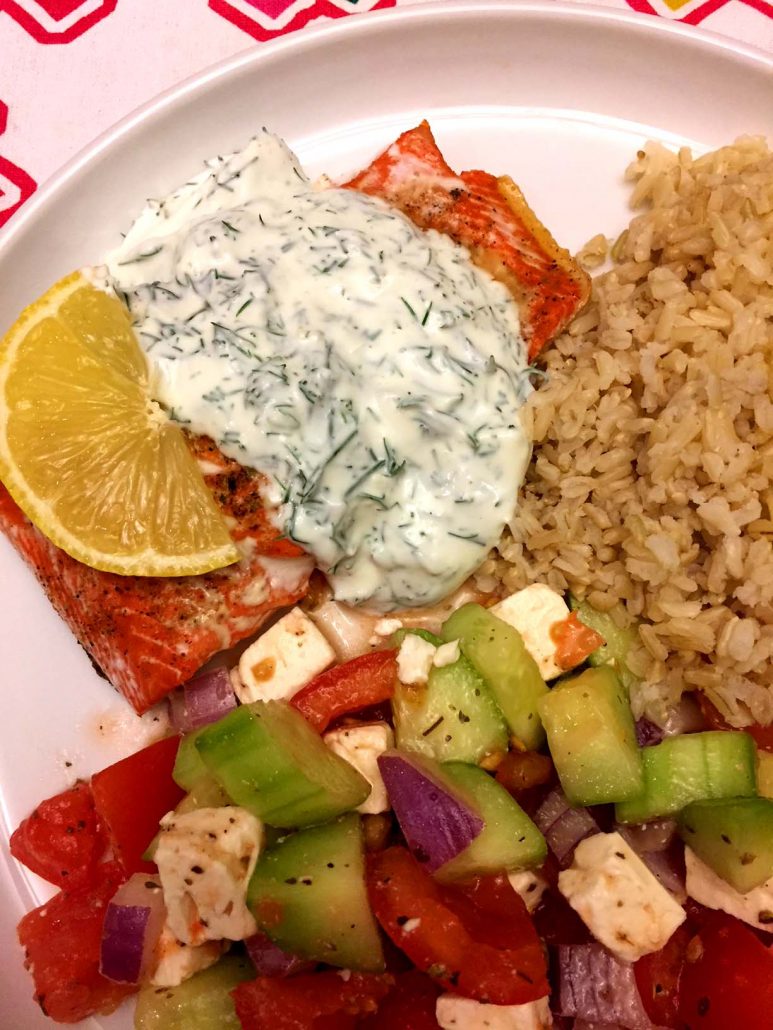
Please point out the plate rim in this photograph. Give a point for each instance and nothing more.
(693, 37)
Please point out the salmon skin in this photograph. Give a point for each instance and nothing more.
(490, 217)
(149, 635)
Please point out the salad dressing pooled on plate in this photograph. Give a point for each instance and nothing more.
(367, 367)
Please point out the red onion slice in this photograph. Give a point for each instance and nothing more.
(552, 808)
(597, 987)
(437, 821)
(654, 836)
(270, 960)
(684, 717)
(648, 733)
(133, 922)
(668, 869)
(202, 700)
(563, 826)
(661, 850)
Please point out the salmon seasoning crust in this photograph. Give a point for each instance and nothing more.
(151, 634)
(490, 217)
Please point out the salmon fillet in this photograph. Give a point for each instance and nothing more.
(490, 217)
(149, 635)
(238, 492)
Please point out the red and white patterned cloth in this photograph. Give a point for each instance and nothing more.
(71, 68)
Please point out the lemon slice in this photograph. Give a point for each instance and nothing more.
(85, 452)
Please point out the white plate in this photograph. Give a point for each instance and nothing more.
(556, 95)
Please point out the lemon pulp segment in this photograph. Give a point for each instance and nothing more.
(85, 451)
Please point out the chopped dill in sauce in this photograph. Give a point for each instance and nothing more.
(366, 367)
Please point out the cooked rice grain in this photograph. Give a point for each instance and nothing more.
(651, 487)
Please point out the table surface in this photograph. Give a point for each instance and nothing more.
(69, 69)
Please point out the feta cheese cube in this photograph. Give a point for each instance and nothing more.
(454, 1013)
(205, 859)
(177, 961)
(703, 884)
(284, 659)
(446, 654)
(360, 746)
(530, 885)
(618, 898)
(384, 628)
(534, 611)
(414, 660)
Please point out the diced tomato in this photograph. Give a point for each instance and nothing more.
(475, 939)
(410, 1005)
(727, 979)
(574, 641)
(132, 795)
(658, 976)
(309, 1001)
(360, 683)
(524, 770)
(763, 735)
(62, 942)
(63, 839)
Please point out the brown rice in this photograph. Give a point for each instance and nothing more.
(651, 487)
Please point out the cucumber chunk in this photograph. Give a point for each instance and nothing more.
(765, 774)
(453, 717)
(692, 767)
(308, 895)
(509, 839)
(592, 738)
(270, 761)
(188, 765)
(202, 1003)
(205, 793)
(734, 837)
(499, 654)
(618, 641)
(399, 636)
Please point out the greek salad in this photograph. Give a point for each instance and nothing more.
(457, 826)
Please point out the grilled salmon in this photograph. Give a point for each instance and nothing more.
(238, 492)
(149, 635)
(490, 217)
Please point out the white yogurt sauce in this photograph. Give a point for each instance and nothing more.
(367, 367)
